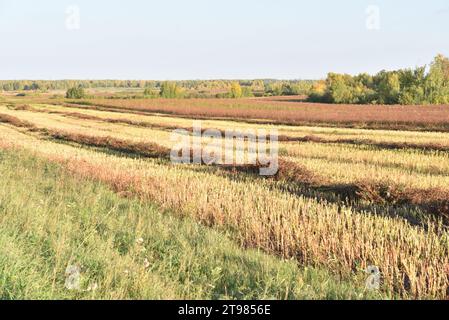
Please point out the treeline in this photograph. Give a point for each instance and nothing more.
(187, 88)
(233, 90)
(422, 85)
(45, 85)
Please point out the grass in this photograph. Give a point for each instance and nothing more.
(50, 219)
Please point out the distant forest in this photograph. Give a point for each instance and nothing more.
(186, 88)
(421, 85)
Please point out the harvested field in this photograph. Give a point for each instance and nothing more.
(342, 199)
(220, 157)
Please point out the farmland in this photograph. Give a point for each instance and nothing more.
(357, 186)
(292, 111)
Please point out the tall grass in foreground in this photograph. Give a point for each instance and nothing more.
(128, 248)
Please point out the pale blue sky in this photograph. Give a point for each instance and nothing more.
(209, 39)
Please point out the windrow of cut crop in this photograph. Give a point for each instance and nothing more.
(146, 149)
(5, 118)
(367, 142)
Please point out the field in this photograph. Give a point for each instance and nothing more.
(293, 111)
(89, 182)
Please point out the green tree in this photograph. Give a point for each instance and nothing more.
(412, 86)
(339, 88)
(171, 90)
(75, 93)
(388, 87)
(274, 89)
(437, 81)
(247, 92)
(300, 87)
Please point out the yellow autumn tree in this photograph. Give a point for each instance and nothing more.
(236, 90)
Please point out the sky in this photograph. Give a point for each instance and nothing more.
(211, 39)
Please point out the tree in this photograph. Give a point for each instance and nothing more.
(388, 87)
(339, 88)
(437, 81)
(299, 88)
(170, 90)
(412, 86)
(274, 89)
(247, 92)
(236, 90)
(151, 93)
(287, 89)
(75, 93)
(258, 85)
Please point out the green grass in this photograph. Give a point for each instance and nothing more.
(50, 219)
